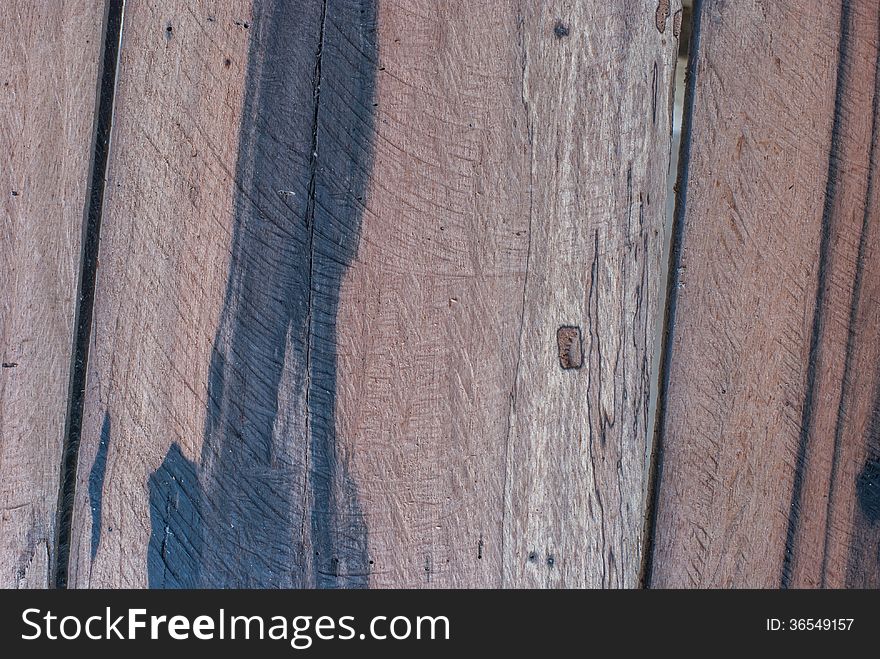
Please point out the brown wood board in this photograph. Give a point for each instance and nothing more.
(769, 469)
(49, 62)
(377, 296)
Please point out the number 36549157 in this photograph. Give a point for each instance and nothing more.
(810, 624)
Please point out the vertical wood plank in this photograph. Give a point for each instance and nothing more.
(597, 88)
(769, 471)
(429, 309)
(49, 58)
(377, 296)
(165, 241)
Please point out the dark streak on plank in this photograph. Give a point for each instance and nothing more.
(96, 484)
(864, 549)
(862, 255)
(869, 495)
(869, 487)
(106, 94)
(654, 95)
(278, 506)
(174, 554)
(819, 309)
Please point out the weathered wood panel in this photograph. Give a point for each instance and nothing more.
(48, 75)
(165, 236)
(770, 437)
(377, 296)
(599, 111)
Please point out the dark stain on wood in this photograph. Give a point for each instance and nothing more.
(653, 99)
(96, 484)
(863, 564)
(868, 490)
(866, 483)
(560, 29)
(175, 549)
(88, 269)
(279, 507)
(822, 290)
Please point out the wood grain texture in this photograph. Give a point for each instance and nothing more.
(165, 241)
(599, 114)
(429, 310)
(339, 242)
(769, 473)
(48, 75)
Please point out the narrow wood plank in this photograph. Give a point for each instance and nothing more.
(165, 240)
(599, 109)
(377, 297)
(770, 440)
(429, 310)
(48, 75)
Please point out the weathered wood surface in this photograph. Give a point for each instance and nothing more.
(598, 112)
(165, 238)
(48, 75)
(339, 243)
(770, 472)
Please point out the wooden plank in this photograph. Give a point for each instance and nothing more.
(48, 74)
(339, 244)
(771, 438)
(520, 217)
(165, 237)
